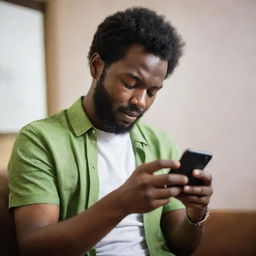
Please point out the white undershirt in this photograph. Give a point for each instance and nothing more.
(116, 162)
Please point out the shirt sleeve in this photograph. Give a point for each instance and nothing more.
(32, 176)
(174, 204)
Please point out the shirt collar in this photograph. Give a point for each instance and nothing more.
(78, 118)
(81, 123)
(137, 135)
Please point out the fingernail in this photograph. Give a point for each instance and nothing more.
(177, 164)
(186, 180)
(186, 188)
(196, 172)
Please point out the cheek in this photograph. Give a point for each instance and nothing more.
(121, 97)
(117, 92)
(150, 101)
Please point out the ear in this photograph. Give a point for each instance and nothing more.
(96, 66)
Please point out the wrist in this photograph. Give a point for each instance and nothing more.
(113, 203)
(199, 219)
(119, 202)
(196, 214)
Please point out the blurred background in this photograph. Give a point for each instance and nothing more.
(208, 103)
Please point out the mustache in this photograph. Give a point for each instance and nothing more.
(132, 109)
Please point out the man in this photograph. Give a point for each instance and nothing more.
(91, 179)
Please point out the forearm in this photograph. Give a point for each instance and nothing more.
(76, 235)
(184, 238)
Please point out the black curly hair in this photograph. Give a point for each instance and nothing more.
(137, 25)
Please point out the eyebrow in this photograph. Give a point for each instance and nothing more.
(140, 80)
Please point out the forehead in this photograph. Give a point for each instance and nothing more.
(142, 64)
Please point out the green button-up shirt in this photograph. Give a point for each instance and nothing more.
(54, 161)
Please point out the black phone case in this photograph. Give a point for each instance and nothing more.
(190, 160)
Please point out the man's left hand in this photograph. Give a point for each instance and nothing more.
(197, 198)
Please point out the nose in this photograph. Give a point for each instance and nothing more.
(139, 98)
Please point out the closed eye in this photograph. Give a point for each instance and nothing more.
(153, 91)
(128, 86)
(150, 94)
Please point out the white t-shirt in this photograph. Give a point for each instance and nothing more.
(116, 162)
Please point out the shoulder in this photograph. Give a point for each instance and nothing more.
(38, 136)
(36, 142)
(154, 135)
(49, 127)
(159, 140)
(150, 132)
(51, 123)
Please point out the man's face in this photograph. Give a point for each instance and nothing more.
(127, 88)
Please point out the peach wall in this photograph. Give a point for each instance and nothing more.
(6, 143)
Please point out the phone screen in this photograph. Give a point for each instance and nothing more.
(190, 160)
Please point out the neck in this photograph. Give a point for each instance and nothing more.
(89, 109)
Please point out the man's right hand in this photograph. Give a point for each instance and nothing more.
(144, 191)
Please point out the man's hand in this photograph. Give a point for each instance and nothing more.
(182, 237)
(145, 191)
(196, 198)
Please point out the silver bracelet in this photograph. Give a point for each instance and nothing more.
(199, 223)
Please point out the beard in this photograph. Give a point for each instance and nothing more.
(104, 107)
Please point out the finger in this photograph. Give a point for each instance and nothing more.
(169, 180)
(198, 190)
(163, 193)
(159, 202)
(192, 199)
(205, 176)
(156, 165)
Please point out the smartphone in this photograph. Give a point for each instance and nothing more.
(190, 160)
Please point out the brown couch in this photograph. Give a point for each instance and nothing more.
(8, 244)
(229, 233)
